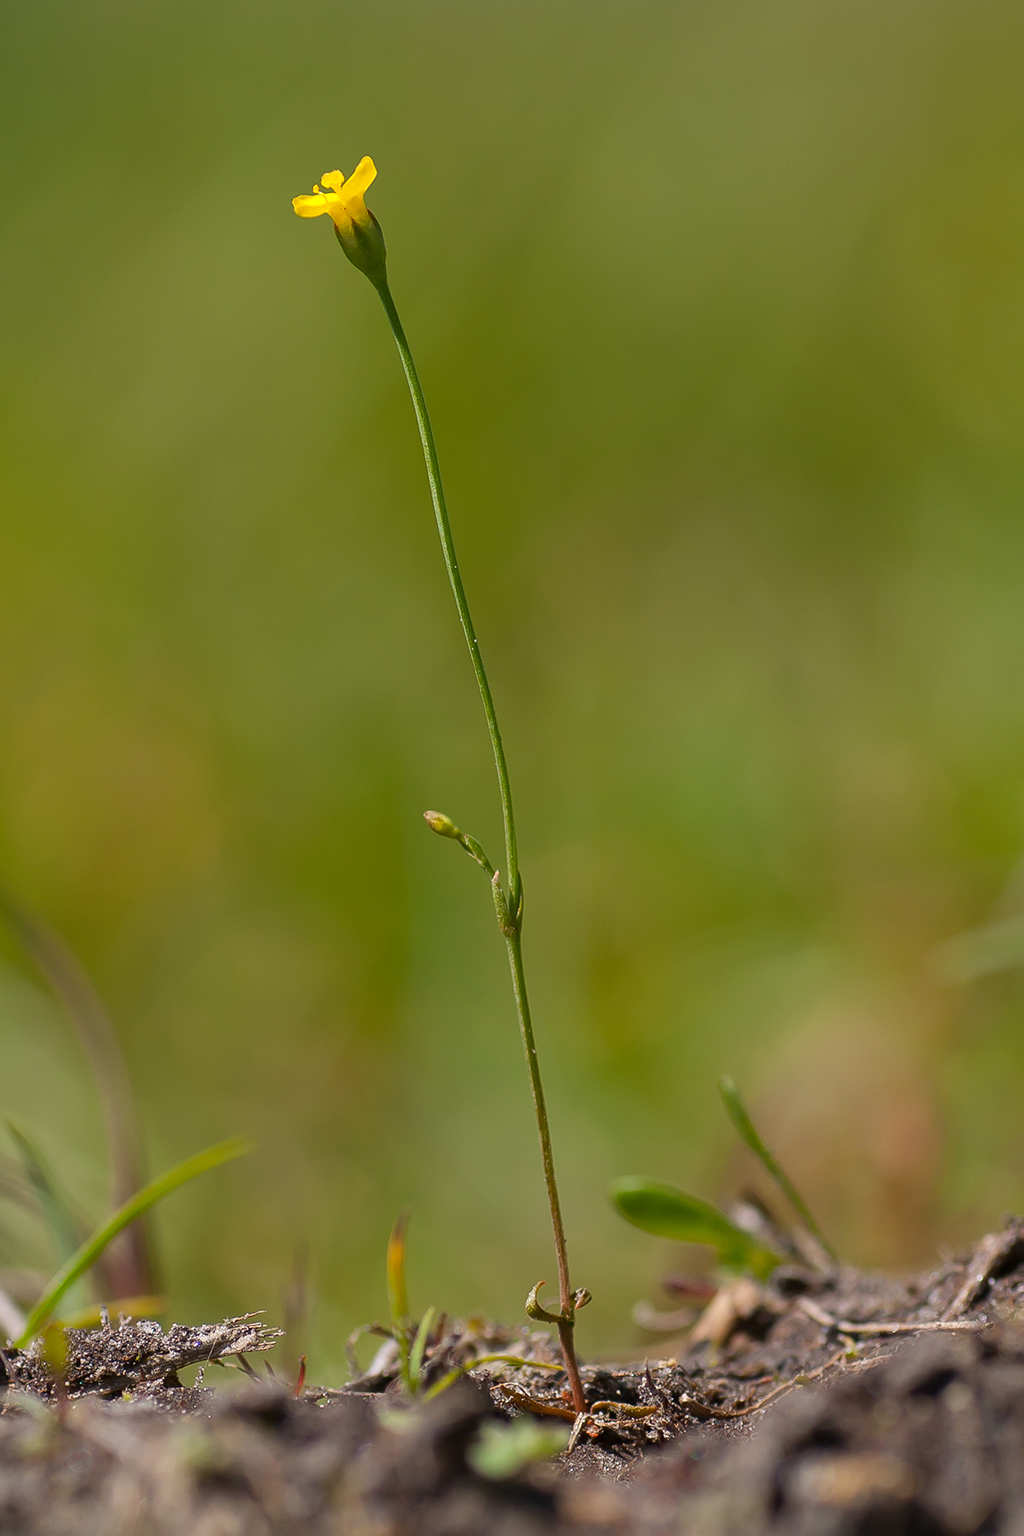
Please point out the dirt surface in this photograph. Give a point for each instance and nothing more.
(843, 1403)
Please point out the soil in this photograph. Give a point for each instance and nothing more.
(840, 1404)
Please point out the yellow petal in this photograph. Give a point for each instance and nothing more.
(310, 206)
(361, 177)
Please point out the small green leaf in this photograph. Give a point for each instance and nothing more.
(666, 1211)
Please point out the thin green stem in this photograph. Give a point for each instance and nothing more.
(566, 1300)
(510, 913)
(426, 432)
(514, 946)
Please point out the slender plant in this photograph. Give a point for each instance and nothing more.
(362, 241)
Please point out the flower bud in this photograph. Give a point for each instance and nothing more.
(363, 244)
(438, 822)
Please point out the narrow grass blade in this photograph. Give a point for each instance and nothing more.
(13, 1185)
(90, 1250)
(130, 1269)
(398, 1296)
(740, 1118)
(419, 1347)
(666, 1211)
(65, 1228)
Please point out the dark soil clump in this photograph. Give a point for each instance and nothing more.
(841, 1405)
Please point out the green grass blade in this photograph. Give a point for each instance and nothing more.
(64, 1225)
(131, 1268)
(91, 1249)
(666, 1211)
(398, 1296)
(14, 1186)
(419, 1347)
(740, 1118)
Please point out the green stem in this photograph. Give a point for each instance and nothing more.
(426, 432)
(513, 928)
(566, 1301)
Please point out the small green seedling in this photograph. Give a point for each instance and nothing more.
(666, 1211)
(414, 1340)
(740, 1118)
(411, 1338)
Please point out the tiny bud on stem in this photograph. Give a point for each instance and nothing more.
(438, 822)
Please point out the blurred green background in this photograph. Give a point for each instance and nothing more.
(720, 310)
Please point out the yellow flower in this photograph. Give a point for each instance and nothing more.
(358, 232)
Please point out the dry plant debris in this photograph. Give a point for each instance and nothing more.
(133, 1357)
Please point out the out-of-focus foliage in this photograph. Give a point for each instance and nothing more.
(720, 308)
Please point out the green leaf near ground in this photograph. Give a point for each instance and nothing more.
(666, 1211)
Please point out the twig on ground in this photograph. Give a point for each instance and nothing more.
(843, 1325)
(646, 1316)
(518, 1398)
(703, 1411)
(990, 1253)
